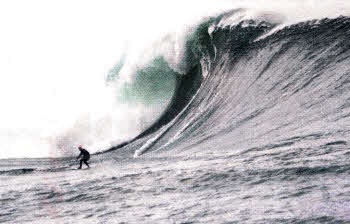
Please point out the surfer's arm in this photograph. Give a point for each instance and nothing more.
(79, 155)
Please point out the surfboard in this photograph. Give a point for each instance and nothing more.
(79, 169)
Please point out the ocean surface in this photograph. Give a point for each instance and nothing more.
(257, 131)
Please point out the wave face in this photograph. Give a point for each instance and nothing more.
(260, 88)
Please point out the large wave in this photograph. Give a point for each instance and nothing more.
(257, 74)
(259, 87)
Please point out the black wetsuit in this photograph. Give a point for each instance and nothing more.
(86, 157)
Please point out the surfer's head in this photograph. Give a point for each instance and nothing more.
(80, 147)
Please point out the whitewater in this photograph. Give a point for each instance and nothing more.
(237, 112)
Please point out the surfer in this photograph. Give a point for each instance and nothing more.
(85, 158)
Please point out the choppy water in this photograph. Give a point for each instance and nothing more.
(258, 134)
(268, 186)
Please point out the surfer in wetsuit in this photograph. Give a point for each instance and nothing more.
(85, 158)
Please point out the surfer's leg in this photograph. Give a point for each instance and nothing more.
(81, 163)
(85, 161)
